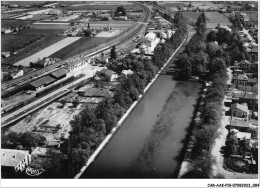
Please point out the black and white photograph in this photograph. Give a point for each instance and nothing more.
(112, 93)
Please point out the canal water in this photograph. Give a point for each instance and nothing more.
(150, 141)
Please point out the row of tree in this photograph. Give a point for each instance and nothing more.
(202, 50)
(203, 56)
(90, 126)
(26, 140)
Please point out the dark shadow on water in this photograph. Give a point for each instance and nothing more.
(186, 140)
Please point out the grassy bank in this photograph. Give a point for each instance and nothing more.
(181, 99)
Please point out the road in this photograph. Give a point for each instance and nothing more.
(218, 168)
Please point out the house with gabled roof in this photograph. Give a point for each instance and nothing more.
(242, 79)
(239, 110)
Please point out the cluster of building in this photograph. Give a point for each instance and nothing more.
(11, 72)
(44, 62)
(72, 32)
(10, 30)
(242, 101)
(48, 80)
(158, 23)
(147, 45)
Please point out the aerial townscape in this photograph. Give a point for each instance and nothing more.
(129, 90)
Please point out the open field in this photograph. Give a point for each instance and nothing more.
(10, 41)
(101, 7)
(47, 51)
(192, 16)
(15, 23)
(68, 18)
(17, 11)
(24, 3)
(39, 17)
(79, 46)
(171, 4)
(108, 33)
(93, 25)
(215, 18)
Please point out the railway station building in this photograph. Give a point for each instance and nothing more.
(41, 83)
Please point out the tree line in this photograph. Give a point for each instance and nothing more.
(205, 54)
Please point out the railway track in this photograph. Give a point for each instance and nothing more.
(16, 83)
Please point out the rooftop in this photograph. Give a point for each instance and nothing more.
(107, 72)
(246, 96)
(239, 123)
(245, 61)
(243, 135)
(59, 73)
(12, 158)
(240, 106)
(42, 81)
(241, 77)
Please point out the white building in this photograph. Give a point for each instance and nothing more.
(17, 74)
(127, 73)
(154, 40)
(17, 159)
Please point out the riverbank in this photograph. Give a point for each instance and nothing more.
(107, 139)
(184, 165)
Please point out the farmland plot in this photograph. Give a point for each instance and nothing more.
(215, 18)
(192, 16)
(47, 51)
(15, 42)
(83, 44)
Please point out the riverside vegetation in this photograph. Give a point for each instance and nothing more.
(210, 55)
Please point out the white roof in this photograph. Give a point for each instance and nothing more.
(11, 157)
(127, 72)
(150, 36)
(243, 135)
(234, 130)
(135, 50)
